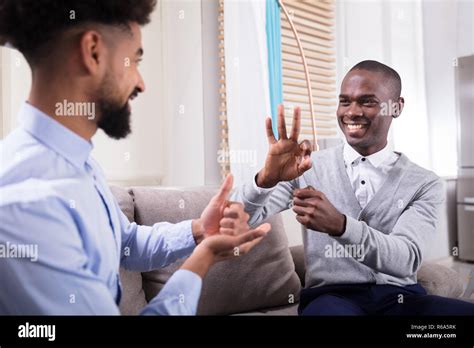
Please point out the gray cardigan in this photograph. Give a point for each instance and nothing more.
(383, 243)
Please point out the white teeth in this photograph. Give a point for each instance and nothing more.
(354, 126)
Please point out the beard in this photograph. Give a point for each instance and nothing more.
(114, 116)
(114, 119)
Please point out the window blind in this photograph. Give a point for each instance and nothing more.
(314, 22)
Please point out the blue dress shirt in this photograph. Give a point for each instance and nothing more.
(54, 199)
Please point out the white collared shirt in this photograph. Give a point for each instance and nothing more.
(367, 173)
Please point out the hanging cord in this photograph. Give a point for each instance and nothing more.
(306, 72)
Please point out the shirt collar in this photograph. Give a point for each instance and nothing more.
(350, 155)
(55, 136)
(376, 159)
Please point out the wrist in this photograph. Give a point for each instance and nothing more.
(341, 226)
(200, 261)
(197, 230)
(262, 180)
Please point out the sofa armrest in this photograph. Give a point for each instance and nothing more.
(297, 253)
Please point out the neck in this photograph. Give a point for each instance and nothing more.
(367, 151)
(49, 94)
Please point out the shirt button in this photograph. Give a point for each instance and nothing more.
(363, 159)
(363, 182)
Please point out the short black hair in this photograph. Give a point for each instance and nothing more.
(392, 76)
(30, 24)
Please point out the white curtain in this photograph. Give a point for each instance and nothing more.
(411, 134)
(248, 99)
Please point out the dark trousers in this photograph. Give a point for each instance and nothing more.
(371, 299)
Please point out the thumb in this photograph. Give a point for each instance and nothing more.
(225, 189)
(305, 164)
(259, 232)
(263, 229)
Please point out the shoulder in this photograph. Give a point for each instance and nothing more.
(34, 194)
(33, 174)
(427, 181)
(330, 154)
(23, 158)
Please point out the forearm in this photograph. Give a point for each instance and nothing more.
(395, 254)
(146, 248)
(262, 203)
(200, 261)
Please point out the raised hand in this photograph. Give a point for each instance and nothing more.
(221, 215)
(209, 222)
(225, 247)
(286, 159)
(221, 247)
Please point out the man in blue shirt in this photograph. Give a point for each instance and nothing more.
(62, 234)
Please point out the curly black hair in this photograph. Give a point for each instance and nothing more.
(29, 24)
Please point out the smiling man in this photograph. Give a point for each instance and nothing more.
(368, 212)
(84, 55)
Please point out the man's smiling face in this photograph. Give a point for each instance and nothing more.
(360, 102)
(122, 81)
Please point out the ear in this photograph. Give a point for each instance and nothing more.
(398, 107)
(92, 51)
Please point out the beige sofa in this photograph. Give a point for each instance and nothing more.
(265, 281)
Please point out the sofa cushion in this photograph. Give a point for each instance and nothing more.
(297, 254)
(263, 278)
(133, 296)
(125, 201)
(439, 280)
(167, 204)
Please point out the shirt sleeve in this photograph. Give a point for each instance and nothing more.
(179, 296)
(54, 276)
(261, 203)
(145, 248)
(399, 252)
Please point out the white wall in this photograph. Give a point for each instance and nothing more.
(465, 27)
(138, 159)
(183, 97)
(448, 34)
(188, 90)
(16, 82)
